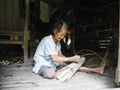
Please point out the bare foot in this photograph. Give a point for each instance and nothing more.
(99, 70)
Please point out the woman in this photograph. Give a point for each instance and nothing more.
(48, 54)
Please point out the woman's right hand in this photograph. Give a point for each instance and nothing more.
(75, 58)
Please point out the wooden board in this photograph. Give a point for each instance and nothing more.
(67, 72)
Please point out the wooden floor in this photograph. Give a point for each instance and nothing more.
(20, 77)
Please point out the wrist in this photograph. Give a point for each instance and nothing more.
(66, 59)
(70, 59)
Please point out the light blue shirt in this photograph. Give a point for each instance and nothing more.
(46, 48)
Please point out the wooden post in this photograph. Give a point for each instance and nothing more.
(26, 32)
(117, 78)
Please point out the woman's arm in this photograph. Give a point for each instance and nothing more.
(56, 58)
(60, 54)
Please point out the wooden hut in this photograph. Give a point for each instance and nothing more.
(14, 24)
(96, 24)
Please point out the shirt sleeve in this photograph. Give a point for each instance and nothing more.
(49, 48)
(59, 46)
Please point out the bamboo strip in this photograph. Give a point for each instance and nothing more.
(67, 72)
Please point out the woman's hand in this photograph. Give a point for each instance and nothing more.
(75, 58)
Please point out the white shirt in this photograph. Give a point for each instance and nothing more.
(46, 48)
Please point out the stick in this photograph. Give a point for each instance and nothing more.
(67, 72)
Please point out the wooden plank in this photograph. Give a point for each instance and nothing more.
(16, 14)
(1, 13)
(11, 34)
(10, 42)
(10, 15)
(12, 31)
(14, 35)
(67, 72)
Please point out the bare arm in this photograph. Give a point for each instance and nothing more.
(56, 58)
(60, 54)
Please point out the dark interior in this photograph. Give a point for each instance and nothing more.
(94, 26)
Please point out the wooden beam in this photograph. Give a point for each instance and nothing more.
(117, 78)
(26, 32)
(91, 9)
(107, 5)
(10, 42)
(54, 2)
(11, 32)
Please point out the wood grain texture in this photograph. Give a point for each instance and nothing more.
(67, 72)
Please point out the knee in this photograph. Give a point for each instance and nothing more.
(52, 76)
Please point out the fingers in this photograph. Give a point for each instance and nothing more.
(76, 58)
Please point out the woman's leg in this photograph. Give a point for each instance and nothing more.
(47, 72)
(99, 70)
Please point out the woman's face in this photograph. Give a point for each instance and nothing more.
(60, 35)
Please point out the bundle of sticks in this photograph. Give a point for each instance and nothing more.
(68, 71)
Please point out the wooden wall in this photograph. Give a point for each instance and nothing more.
(44, 12)
(10, 18)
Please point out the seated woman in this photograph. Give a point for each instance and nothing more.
(48, 54)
